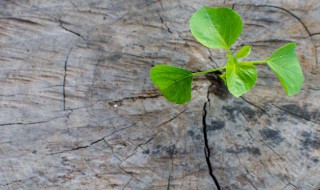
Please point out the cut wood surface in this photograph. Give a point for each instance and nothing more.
(78, 110)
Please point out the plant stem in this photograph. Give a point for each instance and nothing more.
(229, 52)
(208, 71)
(255, 62)
(230, 56)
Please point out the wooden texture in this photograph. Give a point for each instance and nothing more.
(78, 110)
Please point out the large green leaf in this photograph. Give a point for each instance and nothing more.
(173, 82)
(240, 77)
(216, 27)
(243, 52)
(286, 66)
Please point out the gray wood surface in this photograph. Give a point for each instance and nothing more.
(78, 111)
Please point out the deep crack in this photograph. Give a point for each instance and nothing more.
(66, 29)
(73, 32)
(206, 144)
(80, 147)
(64, 80)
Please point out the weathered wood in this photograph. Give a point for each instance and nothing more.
(78, 110)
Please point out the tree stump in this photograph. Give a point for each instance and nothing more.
(78, 110)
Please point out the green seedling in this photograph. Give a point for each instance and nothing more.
(219, 28)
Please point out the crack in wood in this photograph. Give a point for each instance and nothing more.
(29, 123)
(68, 30)
(299, 20)
(247, 129)
(205, 137)
(168, 121)
(268, 171)
(315, 34)
(289, 12)
(165, 24)
(92, 143)
(73, 4)
(64, 80)
(127, 183)
(161, 5)
(133, 98)
(67, 124)
(79, 147)
(3, 176)
(129, 173)
(270, 41)
(294, 114)
(21, 20)
(294, 16)
(149, 140)
(248, 172)
(289, 184)
(261, 109)
(269, 147)
(162, 20)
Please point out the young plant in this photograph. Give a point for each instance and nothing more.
(219, 28)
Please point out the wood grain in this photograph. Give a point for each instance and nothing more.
(78, 110)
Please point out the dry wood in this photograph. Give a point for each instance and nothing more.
(78, 111)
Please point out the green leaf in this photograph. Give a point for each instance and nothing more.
(286, 66)
(240, 77)
(216, 27)
(243, 52)
(173, 82)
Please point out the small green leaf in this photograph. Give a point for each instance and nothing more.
(173, 82)
(240, 77)
(216, 27)
(243, 52)
(286, 66)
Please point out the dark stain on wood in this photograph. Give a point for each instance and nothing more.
(216, 125)
(115, 57)
(298, 111)
(247, 149)
(217, 86)
(190, 133)
(231, 112)
(315, 160)
(250, 113)
(271, 135)
(309, 142)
